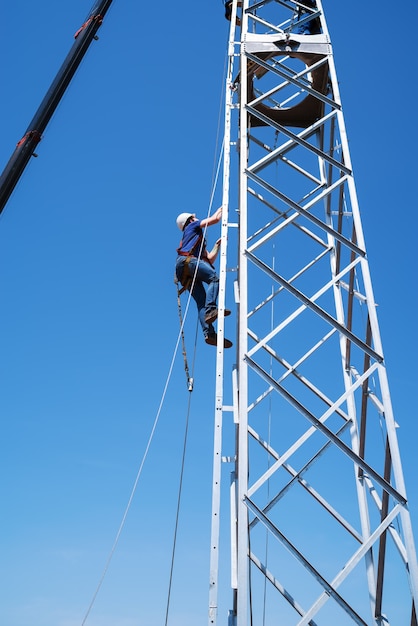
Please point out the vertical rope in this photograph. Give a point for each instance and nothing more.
(170, 582)
(183, 341)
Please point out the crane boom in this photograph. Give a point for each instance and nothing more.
(26, 146)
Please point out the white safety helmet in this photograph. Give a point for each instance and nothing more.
(182, 219)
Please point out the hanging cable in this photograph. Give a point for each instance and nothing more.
(128, 506)
(190, 381)
(190, 378)
(183, 341)
(180, 337)
(135, 485)
(180, 491)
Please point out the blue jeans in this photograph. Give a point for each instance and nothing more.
(205, 298)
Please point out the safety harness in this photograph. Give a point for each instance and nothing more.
(187, 277)
(186, 282)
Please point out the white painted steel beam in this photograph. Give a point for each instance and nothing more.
(318, 499)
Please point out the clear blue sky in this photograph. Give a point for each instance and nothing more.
(89, 316)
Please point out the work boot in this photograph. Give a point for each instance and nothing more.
(212, 340)
(213, 314)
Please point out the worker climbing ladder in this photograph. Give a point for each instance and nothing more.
(320, 527)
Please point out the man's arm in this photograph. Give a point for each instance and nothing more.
(211, 256)
(213, 219)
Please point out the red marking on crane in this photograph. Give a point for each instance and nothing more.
(30, 135)
(99, 18)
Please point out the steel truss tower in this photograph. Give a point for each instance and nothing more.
(321, 532)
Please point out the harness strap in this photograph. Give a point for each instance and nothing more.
(186, 279)
(186, 366)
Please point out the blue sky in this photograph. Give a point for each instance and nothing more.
(89, 312)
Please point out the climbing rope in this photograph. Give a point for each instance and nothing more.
(135, 485)
(188, 286)
(180, 338)
(183, 341)
(190, 387)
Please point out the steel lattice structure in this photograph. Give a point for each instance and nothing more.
(321, 532)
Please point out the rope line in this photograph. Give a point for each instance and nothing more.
(183, 342)
(190, 379)
(135, 485)
(176, 525)
(134, 488)
(180, 337)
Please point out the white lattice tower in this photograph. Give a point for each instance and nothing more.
(321, 532)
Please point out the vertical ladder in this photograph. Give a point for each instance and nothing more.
(321, 531)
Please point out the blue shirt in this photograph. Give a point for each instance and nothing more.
(191, 235)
